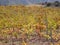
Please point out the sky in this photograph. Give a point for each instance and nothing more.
(25, 2)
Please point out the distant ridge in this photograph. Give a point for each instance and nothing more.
(23, 2)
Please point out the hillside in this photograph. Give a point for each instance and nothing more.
(20, 20)
(8, 13)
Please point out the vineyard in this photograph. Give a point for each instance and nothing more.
(28, 25)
